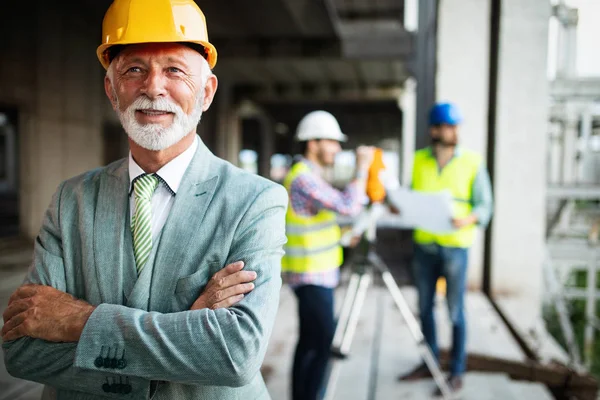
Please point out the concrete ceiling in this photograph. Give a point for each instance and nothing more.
(305, 43)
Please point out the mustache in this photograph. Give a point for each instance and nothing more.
(159, 104)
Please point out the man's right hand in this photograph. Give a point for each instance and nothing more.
(364, 157)
(226, 288)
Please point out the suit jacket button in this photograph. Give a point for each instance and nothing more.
(106, 387)
(121, 363)
(99, 362)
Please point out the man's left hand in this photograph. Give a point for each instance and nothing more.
(459, 223)
(43, 312)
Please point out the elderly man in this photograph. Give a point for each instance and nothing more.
(119, 301)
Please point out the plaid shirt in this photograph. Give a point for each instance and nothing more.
(309, 194)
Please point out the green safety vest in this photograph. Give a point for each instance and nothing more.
(313, 242)
(457, 177)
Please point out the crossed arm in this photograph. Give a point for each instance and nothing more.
(43, 312)
(53, 338)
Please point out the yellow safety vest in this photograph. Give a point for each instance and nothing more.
(457, 177)
(313, 242)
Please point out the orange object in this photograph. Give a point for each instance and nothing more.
(440, 286)
(375, 189)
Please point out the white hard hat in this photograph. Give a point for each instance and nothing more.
(319, 125)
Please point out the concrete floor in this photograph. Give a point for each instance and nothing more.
(381, 350)
(15, 256)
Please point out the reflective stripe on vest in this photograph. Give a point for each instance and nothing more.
(457, 177)
(313, 241)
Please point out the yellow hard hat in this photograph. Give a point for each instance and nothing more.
(154, 21)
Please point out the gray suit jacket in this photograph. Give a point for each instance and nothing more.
(141, 340)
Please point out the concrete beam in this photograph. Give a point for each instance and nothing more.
(358, 44)
(573, 192)
(376, 39)
(316, 92)
(263, 48)
(575, 89)
(311, 17)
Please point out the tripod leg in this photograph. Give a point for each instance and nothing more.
(345, 311)
(413, 325)
(334, 374)
(361, 293)
(357, 291)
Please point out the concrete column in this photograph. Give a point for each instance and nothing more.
(223, 100)
(463, 78)
(555, 153)
(518, 235)
(228, 126)
(267, 136)
(569, 153)
(408, 104)
(234, 138)
(586, 169)
(60, 130)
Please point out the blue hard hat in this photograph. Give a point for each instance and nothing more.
(445, 113)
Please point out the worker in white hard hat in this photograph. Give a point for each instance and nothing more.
(313, 253)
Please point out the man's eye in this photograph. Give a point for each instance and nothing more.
(134, 70)
(174, 70)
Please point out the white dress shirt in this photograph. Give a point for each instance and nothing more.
(170, 176)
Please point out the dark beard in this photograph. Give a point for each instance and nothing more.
(439, 142)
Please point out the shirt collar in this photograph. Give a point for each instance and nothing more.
(311, 165)
(170, 174)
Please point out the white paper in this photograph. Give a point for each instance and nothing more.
(428, 211)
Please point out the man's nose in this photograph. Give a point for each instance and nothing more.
(154, 85)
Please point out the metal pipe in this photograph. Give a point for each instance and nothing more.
(590, 312)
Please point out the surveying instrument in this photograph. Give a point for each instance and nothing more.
(363, 264)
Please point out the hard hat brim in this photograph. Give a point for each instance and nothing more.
(342, 139)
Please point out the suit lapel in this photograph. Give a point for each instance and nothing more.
(113, 253)
(185, 219)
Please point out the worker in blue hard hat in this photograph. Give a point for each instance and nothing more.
(445, 166)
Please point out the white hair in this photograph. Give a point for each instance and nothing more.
(155, 136)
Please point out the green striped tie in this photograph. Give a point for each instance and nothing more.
(141, 226)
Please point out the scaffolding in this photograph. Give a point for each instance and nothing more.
(573, 195)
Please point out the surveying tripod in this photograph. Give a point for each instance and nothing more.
(363, 264)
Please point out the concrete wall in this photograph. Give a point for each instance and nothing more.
(49, 73)
(462, 77)
(520, 149)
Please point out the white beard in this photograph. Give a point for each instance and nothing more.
(155, 136)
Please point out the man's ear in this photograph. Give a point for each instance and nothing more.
(209, 91)
(110, 93)
(311, 146)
